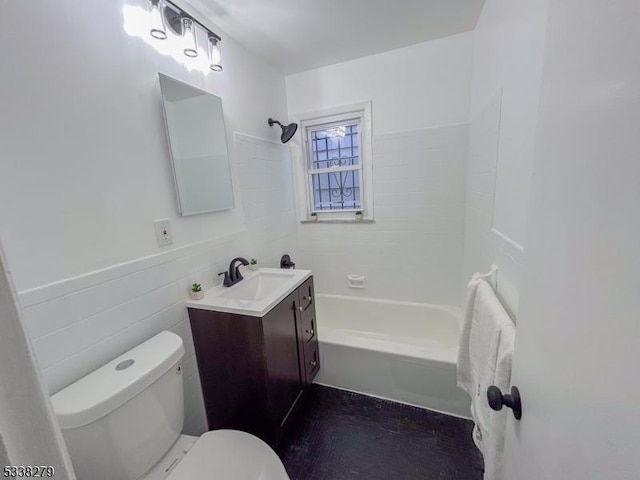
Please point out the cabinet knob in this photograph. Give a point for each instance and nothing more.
(301, 309)
(310, 332)
(307, 298)
(313, 364)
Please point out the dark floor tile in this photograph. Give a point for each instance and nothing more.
(342, 435)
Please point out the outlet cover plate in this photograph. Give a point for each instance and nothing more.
(163, 232)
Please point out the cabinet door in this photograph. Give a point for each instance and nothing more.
(308, 311)
(281, 352)
(311, 361)
(309, 356)
(232, 373)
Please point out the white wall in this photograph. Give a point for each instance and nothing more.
(421, 86)
(86, 171)
(86, 167)
(420, 106)
(29, 434)
(507, 66)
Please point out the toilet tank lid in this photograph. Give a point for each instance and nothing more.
(107, 388)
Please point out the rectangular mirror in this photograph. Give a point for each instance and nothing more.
(198, 144)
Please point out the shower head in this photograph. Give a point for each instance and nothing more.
(288, 131)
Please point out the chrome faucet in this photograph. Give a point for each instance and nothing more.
(233, 276)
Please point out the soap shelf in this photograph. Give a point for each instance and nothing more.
(356, 281)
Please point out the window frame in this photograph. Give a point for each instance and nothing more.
(313, 121)
(318, 171)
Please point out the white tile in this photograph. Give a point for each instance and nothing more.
(48, 316)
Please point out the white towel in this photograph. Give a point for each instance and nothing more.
(484, 359)
(495, 423)
(464, 359)
(479, 337)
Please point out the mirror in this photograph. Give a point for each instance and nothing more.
(198, 144)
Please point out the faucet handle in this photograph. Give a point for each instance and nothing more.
(285, 262)
(226, 280)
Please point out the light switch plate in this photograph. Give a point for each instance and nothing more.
(163, 232)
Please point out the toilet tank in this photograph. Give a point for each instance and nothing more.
(119, 420)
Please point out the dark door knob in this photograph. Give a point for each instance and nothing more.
(512, 400)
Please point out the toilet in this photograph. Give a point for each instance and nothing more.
(124, 422)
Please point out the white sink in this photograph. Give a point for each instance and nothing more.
(258, 293)
(258, 286)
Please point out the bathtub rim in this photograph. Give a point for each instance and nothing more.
(440, 356)
(454, 310)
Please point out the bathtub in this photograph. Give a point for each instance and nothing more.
(401, 351)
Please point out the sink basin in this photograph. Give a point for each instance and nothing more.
(258, 293)
(257, 287)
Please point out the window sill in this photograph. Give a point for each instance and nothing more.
(340, 220)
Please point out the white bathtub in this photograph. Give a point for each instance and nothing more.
(401, 351)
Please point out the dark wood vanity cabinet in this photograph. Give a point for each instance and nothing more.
(255, 370)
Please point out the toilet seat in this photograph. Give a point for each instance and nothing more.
(229, 455)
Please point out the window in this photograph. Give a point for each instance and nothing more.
(337, 163)
(335, 169)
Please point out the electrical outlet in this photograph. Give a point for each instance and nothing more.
(163, 232)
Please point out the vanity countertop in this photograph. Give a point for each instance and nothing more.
(255, 295)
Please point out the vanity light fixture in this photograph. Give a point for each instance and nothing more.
(214, 53)
(166, 14)
(189, 35)
(156, 20)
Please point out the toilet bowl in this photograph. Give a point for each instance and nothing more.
(124, 421)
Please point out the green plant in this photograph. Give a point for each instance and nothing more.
(196, 287)
(314, 214)
(254, 261)
(359, 212)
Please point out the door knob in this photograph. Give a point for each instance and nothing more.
(512, 400)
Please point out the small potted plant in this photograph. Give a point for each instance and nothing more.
(196, 292)
(359, 215)
(313, 217)
(253, 264)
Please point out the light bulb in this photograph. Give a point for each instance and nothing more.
(156, 20)
(214, 53)
(189, 35)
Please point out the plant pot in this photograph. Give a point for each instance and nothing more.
(359, 218)
(197, 295)
(313, 219)
(253, 267)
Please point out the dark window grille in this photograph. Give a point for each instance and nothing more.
(336, 147)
